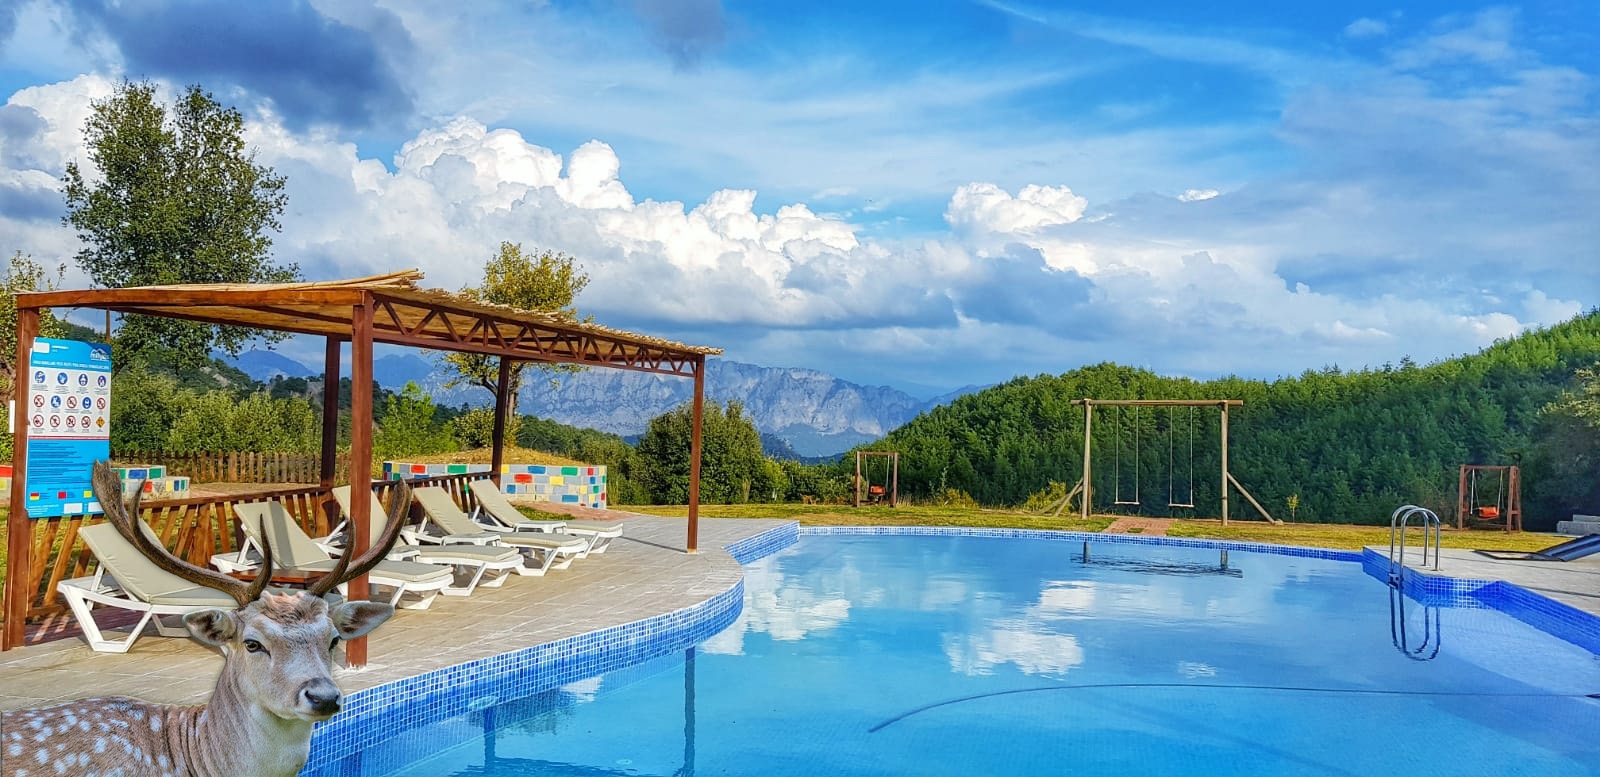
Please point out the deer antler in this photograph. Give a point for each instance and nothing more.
(108, 489)
(345, 570)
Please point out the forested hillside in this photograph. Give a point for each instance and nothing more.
(1350, 446)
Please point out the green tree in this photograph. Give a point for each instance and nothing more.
(177, 199)
(1566, 455)
(732, 467)
(144, 408)
(22, 275)
(475, 428)
(221, 421)
(546, 282)
(408, 427)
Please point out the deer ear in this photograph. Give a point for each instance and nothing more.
(212, 627)
(354, 619)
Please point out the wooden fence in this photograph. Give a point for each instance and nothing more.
(238, 466)
(193, 529)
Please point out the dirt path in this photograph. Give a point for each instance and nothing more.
(1152, 527)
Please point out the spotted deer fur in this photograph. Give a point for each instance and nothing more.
(276, 681)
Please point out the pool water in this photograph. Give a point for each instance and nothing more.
(947, 655)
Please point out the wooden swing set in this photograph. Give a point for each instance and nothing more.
(890, 488)
(1507, 505)
(1083, 491)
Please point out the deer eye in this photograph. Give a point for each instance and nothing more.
(333, 644)
(253, 646)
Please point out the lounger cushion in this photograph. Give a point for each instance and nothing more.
(495, 504)
(197, 596)
(546, 542)
(610, 529)
(476, 536)
(485, 553)
(401, 571)
(137, 574)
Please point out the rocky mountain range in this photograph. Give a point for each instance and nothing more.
(816, 413)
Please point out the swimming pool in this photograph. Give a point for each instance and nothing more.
(952, 655)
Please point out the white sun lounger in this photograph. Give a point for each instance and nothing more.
(125, 579)
(292, 549)
(543, 553)
(506, 517)
(472, 562)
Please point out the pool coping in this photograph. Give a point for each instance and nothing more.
(464, 687)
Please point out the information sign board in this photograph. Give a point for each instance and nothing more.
(69, 425)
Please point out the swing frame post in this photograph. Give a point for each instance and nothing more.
(1508, 498)
(1228, 481)
(891, 480)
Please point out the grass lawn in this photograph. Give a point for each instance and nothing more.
(1341, 536)
(1319, 535)
(844, 515)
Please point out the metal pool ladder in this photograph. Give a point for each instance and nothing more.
(1397, 539)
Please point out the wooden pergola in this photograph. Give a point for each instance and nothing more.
(363, 311)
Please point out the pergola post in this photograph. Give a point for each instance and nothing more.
(355, 651)
(1088, 465)
(19, 534)
(330, 413)
(1225, 475)
(502, 404)
(694, 453)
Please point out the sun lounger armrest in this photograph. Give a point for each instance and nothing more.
(231, 563)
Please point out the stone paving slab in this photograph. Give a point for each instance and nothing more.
(1149, 527)
(1575, 583)
(644, 573)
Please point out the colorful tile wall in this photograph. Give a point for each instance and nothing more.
(581, 485)
(153, 479)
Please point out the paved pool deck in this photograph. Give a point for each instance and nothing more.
(644, 573)
(1574, 583)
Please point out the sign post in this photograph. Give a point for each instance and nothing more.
(69, 425)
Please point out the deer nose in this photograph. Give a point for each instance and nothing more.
(322, 696)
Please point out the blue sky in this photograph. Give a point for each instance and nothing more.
(918, 194)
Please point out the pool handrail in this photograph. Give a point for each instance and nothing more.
(1398, 521)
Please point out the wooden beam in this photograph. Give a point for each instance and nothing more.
(271, 321)
(698, 415)
(19, 531)
(637, 363)
(1088, 455)
(1252, 500)
(1225, 476)
(355, 650)
(857, 481)
(195, 297)
(502, 405)
(330, 412)
(894, 482)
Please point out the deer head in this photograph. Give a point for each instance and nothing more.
(278, 646)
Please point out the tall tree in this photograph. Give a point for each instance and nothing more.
(21, 275)
(177, 198)
(733, 468)
(547, 282)
(408, 426)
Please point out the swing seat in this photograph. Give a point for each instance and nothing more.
(1489, 513)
